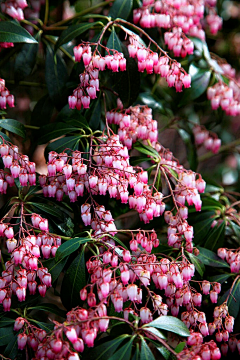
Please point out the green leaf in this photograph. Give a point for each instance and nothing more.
(233, 299)
(55, 267)
(5, 334)
(145, 149)
(103, 351)
(170, 323)
(69, 247)
(124, 353)
(25, 61)
(70, 142)
(180, 347)
(202, 228)
(199, 84)
(11, 31)
(197, 263)
(11, 349)
(45, 326)
(152, 102)
(47, 209)
(136, 160)
(114, 42)
(56, 76)
(74, 31)
(55, 130)
(5, 137)
(215, 239)
(209, 258)
(13, 126)
(127, 83)
(145, 351)
(72, 116)
(164, 352)
(42, 111)
(121, 9)
(221, 278)
(52, 308)
(74, 280)
(190, 147)
(94, 113)
(154, 331)
(5, 321)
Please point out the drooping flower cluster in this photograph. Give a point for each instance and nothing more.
(225, 96)
(89, 82)
(180, 17)
(5, 97)
(14, 8)
(148, 60)
(208, 139)
(232, 257)
(198, 350)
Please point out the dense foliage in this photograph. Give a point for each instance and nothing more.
(113, 246)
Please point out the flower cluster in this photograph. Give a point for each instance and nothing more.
(24, 267)
(180, 17)
(5, 97)
(225, 96)
(148, 60)
(19, 165)
(208, 139)
(14, 8)
(198, 350)
(232, 257)
(89, 82)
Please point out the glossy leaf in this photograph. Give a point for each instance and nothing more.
(45, 326)
(11, 349)
(190, 148)
(180, 347)
(5, 137)
(215, 240)
(70, 142)
(72, 32)
(55, 267)
(52, 308)
(105, 350)
(45, 208)
(11, 31)
(209, 258)
(125, 351)
(164, 352)
(221, 278)
(170, 323)
(199, 84)
(114, 42)
(199, 266)
(5, 321)
(56, 76)
(25, 61)
(145, 353)
(69, 247)
(74, 280)
(154, 331)
(72, 116)
(13, 126)
(152, 102)
(94, 114)
(42, 111)
(6, 334)
(53, 131)
(121, 9)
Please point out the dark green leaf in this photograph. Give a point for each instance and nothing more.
(47, 209)
(103, 351)
(155, 332)
(201, 229)
(114, 42)
(127, 83)
(121, 9)
(13, 126)
(72, 116)
(190, 147)
(69, 247)
(72, 32)
(5, 321)
(197, 263)
(170, 323)
(42, 111)
(221, 278)
(25, 61)
(70, 142)
(11, 349)
(5, 137)
(233, 299)
(74, 280)
(180, 347)
(45, 326)
(215, 239)
(199, 84)
(55, 267)
(94, 114)
(209, 258)
(145, 149)
(5, 334)
(136, 160)
(56, 76)
(53, 131)
(11, 31)
(52, 308)
(152, 102)
(145, 351)
(124, 353)
(164, 352)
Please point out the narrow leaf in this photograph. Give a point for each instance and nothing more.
(145, 351)
(103, 351)
(5, 334)
(52, 308)
(114, 42)
(170, 323)
(215, 239)
(69, 247)
(55, 267)
(70, 142)
(197, 263)
(209, 258)
(11, 349)
(13, 126)
(11, 31)
(53, 131)
(25, 61)
(121, 9)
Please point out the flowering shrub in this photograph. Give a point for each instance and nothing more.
(113, 246)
